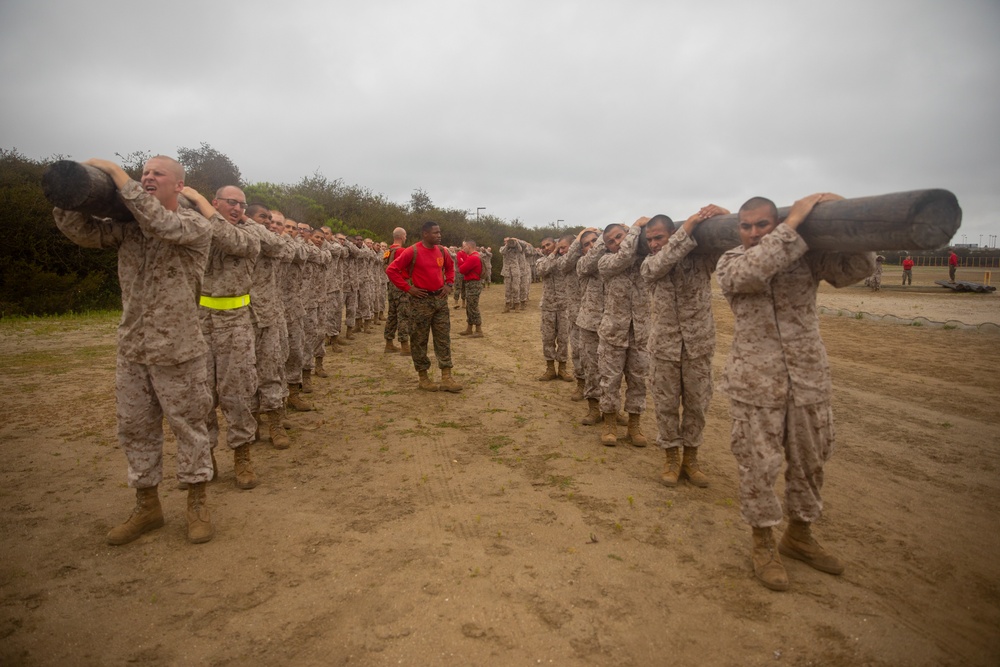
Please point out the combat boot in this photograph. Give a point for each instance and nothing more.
(350, 333)
(550, 372)
(610, 436)
(672, 468)
(798, 543)
(457, 306)
(200, 528)
(578, 394)
(447, 383)
(390, 347)
(593, 412)
(335, 346)
(295, 399)
(368, 328)
(468, 330)
(622, 418)
(767, 565)
(307, 383)
(564, 375)
(635, 435)
(691, 470)
(506, 308)
(146, 516)
(404, 348)
(339, 340)
(319, 370)
(425, 382)
(245, 476)
(479, 331)
(524, 305)
(279, 437)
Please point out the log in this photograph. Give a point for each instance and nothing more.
(915, 220)
(75, 186)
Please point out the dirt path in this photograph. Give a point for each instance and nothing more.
(490, 527)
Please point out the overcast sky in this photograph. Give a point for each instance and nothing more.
(588, 112)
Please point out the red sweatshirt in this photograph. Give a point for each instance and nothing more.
(907, 264)
(432, 269)
(471, 267)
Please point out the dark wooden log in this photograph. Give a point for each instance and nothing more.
(916, 220)
(75, 186)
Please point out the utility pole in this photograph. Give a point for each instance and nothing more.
(558, 221)
(478, 209)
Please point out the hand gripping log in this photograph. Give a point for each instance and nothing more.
(75, 186)
(916, 220)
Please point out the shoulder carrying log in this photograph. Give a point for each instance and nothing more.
(75, 186)
(916, 220)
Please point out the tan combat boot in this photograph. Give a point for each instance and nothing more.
(295, 399)
(550, 372)
(468, 330)
(767, 565)
(610, 436)
(672, 468)
(506, 308)
(691, 470)
(279, 437)
(635, 434)
(335, 346)
(593, 412)
(339, 340)
(622, 418)
(245, 476)
(798, 543)
(200, 528)
(146, 516)
(448, 383)
(425, 382)
(479, 331)
(307, 383)
(563, 374)
(404, 348)
(578, 394)
(350, 333)
(368, 328)
(457, 306)
(319, 370)
(390, 347)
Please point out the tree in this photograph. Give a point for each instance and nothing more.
(420, 202)
(207, 169)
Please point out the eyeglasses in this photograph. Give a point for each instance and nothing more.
(235, 203)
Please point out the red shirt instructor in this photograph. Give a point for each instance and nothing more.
(425, 272)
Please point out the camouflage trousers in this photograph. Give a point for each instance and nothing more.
(381, 300)
(313, 335)
(523, 285)
(687, 382)
(589, 341)
(574, 343)
(555, 335)
(366, 300)
(512, 290)
(271, 389)
(333, 312)
(293, 361)
(613, 364)
(350, 306)
(907, 277)
(802, 437)
(430, 316)
(397, 320)
(232, 377)
(458, 290)
(472, 290)
(145, 395)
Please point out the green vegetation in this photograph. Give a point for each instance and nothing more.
(45, 273)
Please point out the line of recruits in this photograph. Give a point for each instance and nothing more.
(233, 307)
(634, 302)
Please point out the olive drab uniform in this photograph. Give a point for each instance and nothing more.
(777, 376)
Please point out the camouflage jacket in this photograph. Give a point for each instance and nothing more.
(626, 299)
(553, 282)
(777, 351)
(681, 290)
(265, 299)
(591, 287)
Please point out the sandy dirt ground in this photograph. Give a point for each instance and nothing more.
(491, 528)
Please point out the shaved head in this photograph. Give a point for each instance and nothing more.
(175, 167)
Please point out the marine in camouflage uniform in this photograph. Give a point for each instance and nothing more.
(569, 257)
(228, 329)
(314, 297)
(267, 315)
(555, 316)
(471, 271)
(623, 333)
(160, 372)
(681, 341)
(397, 321)
(527, 259)
(588, 320)
(292, 277)
(778, 379)
(486, 256)
(511, 251)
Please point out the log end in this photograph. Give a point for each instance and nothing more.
(936, 217)
(66, 184)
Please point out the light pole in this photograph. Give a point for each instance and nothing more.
(478, 209)
(558, 221)
(980, 240)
